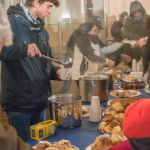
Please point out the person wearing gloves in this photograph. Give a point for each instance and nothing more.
(88, 49)
(134, 29)
(9, 140)
(116, 32)
(25, 75)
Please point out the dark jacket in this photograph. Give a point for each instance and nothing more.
(25, 81)
(9, 140)
(84, 45)
(139, 143)
(116, 31)
(134, 30)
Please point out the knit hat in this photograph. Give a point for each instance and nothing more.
(137, 120)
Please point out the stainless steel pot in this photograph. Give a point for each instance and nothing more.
(108, 74)
(93, 85)
(66, 109)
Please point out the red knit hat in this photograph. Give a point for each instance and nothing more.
(137, 120)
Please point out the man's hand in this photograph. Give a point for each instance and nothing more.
(126, 57)
(136, 45)
(2, 44)
(142, 42)
(122, 29)
(58, 75)
(111, 63)
(33, 50)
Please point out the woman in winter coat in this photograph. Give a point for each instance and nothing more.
(134, 29)
(9, 140)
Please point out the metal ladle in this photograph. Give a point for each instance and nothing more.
(67, 64)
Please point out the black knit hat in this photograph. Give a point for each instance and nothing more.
(124, 14)
(97, 21)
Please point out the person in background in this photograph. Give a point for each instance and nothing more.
(25, 75)
(116, 32)
(88, 50)
(145, 49)
(134, 29)
(9, 140)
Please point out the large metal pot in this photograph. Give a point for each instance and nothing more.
(93, 85)
(66, 109)
(109, 74)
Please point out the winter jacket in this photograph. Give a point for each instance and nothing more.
(9, 140)
(122, 146)
(116, 31)
(134, 30)
(87, 55)
(139, 143)
(145, 52)
(25, 81)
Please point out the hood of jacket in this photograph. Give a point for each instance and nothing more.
(135, 6)
(16, 10)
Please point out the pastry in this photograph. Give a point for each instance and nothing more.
(42, 145)
(62, 144)
(115, 139)
(108, 118)
(114, 123)
(84, 111)
(116, 130)
(108, 129)
(118, 107)
(102, 125)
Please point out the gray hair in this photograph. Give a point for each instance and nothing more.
(5, 28)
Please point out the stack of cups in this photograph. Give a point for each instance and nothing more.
(134, 65)
(64, 72)
(95, 109)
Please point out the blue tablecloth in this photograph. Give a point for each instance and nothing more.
(85, 134)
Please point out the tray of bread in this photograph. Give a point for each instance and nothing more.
(124, 101)
(61, 145)
(125, 93)
(132, 79)
(128, 86)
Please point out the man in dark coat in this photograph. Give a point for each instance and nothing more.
(25, 78)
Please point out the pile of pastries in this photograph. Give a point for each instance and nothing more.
(131, 79)
(116, 74)
(132, 86)
(123, 93)
(61, 145)
(114, 116)
(122, 65)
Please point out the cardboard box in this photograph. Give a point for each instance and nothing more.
(43, 129)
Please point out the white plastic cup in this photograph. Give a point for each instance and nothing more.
(134, 65)
(64, 72)
(95, 116)
(95, 103)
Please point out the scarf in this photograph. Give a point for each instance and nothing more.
(138, 19)
(38, 24)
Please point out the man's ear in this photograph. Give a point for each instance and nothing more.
(36, 3)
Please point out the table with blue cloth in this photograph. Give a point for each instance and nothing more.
(85, 134)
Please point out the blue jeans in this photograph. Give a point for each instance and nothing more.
(22, 122)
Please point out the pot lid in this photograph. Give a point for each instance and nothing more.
(94, 77)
